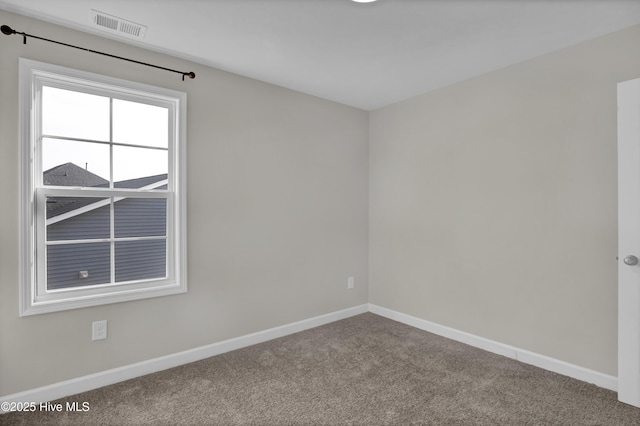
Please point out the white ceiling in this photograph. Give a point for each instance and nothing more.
(364, 55)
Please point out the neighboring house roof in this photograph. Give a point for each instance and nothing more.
(140, 182)
(70, 174)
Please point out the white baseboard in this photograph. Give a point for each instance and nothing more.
(557, 366)
(109, 377)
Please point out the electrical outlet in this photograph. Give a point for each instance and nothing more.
(99, 330)
(351, 281)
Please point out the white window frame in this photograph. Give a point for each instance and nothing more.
(34, 296)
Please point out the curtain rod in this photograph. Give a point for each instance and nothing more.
(7, 30)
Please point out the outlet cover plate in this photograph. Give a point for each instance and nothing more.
(99, 330)
(351, 282)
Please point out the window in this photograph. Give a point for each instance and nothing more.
(103, 189)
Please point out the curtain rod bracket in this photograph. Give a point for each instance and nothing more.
(7, 30)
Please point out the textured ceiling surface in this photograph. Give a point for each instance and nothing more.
(364, 55)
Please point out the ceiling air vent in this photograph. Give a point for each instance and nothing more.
(116, 25)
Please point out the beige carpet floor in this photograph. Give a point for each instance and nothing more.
(365, 370)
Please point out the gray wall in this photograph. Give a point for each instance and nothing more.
(277, 217)
(493, 203)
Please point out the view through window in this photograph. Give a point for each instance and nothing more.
(101, 240)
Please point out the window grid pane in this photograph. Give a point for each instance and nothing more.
(140, 217)
(77, 218)
(140, 260)
(66, 264)
(140, 124)
(74, 114)
(75, 163)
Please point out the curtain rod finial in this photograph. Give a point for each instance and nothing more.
(191, 75)
(7, 30)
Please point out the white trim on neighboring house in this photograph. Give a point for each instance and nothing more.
(98, 204)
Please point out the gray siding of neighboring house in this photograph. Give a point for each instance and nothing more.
(138, 260)
(134, 260)
(65, 261)
(140, 217)
(94, 224)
